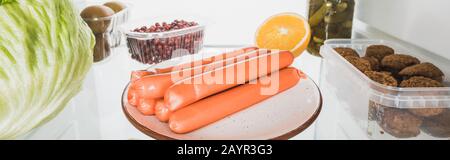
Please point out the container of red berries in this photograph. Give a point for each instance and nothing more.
(151, 42)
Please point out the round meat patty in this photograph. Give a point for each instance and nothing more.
(344, 52)
(379, 51)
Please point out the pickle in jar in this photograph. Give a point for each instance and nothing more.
(329, 19)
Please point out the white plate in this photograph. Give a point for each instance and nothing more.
(279, 117)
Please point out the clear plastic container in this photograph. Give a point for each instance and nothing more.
(107, 32)
(151, 48)
(384, 112)
(121, 18)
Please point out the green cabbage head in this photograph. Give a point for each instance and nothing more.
(45, 53)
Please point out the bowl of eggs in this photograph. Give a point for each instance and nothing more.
(104, 21)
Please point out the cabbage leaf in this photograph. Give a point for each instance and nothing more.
(45, 53)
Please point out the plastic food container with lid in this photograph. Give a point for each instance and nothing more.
(379, 111)
(155, 47)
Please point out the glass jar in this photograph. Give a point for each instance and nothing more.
(329, 19)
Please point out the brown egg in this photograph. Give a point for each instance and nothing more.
(90, 14)
(97, 11)
(116, 6)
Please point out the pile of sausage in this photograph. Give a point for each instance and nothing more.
(190, 96)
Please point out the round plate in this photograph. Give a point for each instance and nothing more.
(280, 117)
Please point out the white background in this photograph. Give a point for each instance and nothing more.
(233, 22)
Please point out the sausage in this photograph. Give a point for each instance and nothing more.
(135, 75)
(133, 98)
(188, 91)
(146, 106)
(158, 83)
(219, 106)
(155, 86)
(206, 60)
(161, 111)
(150, 86)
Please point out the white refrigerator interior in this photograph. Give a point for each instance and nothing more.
(421, 26)
(96, 112)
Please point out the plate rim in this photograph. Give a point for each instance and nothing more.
(286, 136)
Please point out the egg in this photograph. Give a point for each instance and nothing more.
(96, 17)
(116, 6)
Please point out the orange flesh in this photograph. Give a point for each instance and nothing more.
(287, 31)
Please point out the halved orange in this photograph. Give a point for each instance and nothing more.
(284, 31)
